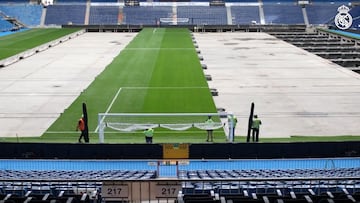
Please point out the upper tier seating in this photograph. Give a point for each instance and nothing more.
(247, 1)
(203, 15)
(245, 14)
(65, 14)
(105, 1)
(104, 15)
(279, 14)
(14, 1)
(70, 1)
(321, 13)
(145, 15)
(278, 1)
(356, 21)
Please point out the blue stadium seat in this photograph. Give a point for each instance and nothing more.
(139, 15)
(70, 1)
(105, 1)
(26, 13)
(331, 2)
(278, 1)
(247, 1)
(77, 175)
(65, 14)
(321, 13)
(203, 15)
(16, 1)
(245, 14)
(279, 14)
(5, 26)
(100, 15)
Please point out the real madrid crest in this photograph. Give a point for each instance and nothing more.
(343, 20)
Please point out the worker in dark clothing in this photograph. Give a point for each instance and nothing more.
(232, 121)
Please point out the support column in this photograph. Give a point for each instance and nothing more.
(261, 13)
(306, 19)
(229, 15)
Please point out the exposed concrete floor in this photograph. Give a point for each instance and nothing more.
(34, 91)
(295, 92)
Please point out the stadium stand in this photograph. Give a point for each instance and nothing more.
(149, 15)
(5, 26)
(105, 1)
(65, 14)
(354, 12)
(276, 173)
(104, 15)
(240, 185)
(27, 14)
(275, 12)
(245, 14)
(203, 15)
(77, 175)
(15, 1)
(321, 13)
(278, 2)
(306, 185)
(248, 1)
(279, 14)
(70, 1)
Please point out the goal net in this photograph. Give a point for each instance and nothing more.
(133, 122)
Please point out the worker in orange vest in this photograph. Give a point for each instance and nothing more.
(81, 127)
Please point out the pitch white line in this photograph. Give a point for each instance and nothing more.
(160, 48)
(166, 87)
(109, 107)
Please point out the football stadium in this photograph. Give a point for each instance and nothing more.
(179, 101)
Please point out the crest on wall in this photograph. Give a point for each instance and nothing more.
(343, 20)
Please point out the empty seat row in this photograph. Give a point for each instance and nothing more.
(246, 196)
(76, 175)
(278, 173)
(83, 198)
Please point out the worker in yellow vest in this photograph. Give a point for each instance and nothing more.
(255, 127)
(209, 121)
(149, 135)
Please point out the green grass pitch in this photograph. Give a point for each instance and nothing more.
(158, 72)
(22, 41)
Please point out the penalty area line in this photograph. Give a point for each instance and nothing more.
(109, 107)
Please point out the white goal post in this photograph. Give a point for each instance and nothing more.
(132, 122)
